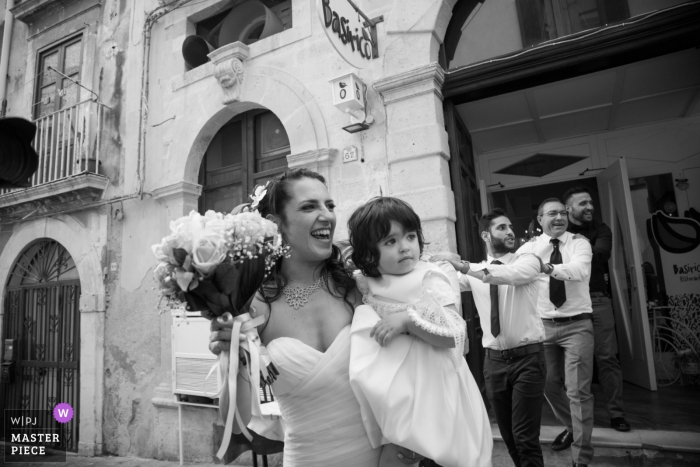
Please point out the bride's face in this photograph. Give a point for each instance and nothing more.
(309, 220)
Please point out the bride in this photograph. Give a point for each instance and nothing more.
(308, 305)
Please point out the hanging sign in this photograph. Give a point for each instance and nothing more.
(352, 34)
(678, 239)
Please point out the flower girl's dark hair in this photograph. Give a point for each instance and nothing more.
(277, 196)
(370, 223)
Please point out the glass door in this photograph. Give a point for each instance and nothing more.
(636, 354)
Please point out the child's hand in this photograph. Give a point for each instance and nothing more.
(388, 328)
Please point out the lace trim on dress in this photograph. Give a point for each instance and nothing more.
(428, 312)
(440, 321)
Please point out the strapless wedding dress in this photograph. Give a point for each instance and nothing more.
(322, 420)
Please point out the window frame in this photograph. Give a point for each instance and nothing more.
(40, 56)
(250, 150)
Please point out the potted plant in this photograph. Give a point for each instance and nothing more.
(688, 361)
(88, 164)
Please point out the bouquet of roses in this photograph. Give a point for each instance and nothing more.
(215, 263)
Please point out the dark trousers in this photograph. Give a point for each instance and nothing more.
(515, 388)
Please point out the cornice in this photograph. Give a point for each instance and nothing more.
(28, 10)
(426, 79)
(175, 190)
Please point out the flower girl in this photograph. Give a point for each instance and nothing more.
(407, 365)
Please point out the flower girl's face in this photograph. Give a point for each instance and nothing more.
(399, 252)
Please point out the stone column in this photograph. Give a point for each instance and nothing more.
(92, 332)
(418, 151)
(177, 200)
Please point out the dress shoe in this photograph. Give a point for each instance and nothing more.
(578, 464)
(563, 441)
(620, 424)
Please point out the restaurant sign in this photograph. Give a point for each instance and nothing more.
(351, 32)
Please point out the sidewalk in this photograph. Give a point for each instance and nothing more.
(73, 460)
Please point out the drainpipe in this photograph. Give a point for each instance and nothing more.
(151, 19)
(5, 54)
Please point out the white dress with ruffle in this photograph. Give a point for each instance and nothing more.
(323, 426)
(411, 393)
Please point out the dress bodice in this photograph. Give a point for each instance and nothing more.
(323, 424)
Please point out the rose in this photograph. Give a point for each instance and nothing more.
(208, 250)
(163, 274)
(188, 224)
(165, 251)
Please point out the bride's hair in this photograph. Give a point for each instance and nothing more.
(277, 196)
(371, 223)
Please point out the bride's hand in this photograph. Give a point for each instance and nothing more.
(220, 337)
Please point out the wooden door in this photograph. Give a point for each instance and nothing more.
(468, 211)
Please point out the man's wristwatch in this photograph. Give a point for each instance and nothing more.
(465, 264)
(551, 268)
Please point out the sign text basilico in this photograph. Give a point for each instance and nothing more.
(351, 33)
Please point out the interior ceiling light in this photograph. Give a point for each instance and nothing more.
(539, 165)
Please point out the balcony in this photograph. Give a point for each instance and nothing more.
(68, 143)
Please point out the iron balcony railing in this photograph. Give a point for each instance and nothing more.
(68, 142)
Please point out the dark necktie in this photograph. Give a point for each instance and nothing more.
(557, 288)
(495, 321)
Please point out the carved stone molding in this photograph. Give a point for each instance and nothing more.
(423, 80)
(177, 190)
(228, 69)
(318, 160)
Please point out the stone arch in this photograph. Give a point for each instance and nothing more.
(262, 87)
(414, 33)
(70, 233)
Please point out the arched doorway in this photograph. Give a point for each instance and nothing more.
(42, 315)
(248, 150)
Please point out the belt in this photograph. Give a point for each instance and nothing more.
(569, 318)
(599, 294)
(516, 352)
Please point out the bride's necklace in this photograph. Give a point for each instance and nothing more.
(297, 297)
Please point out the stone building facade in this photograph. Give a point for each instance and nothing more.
(150, 119)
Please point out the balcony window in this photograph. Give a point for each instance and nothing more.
(249, 150)
(54, 91)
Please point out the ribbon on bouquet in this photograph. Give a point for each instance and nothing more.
(228, 366)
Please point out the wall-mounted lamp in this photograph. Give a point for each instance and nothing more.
(349, 95)
(682, 184)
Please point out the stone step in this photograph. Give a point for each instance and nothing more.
(636, 448)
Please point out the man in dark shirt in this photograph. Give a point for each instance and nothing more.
(580, 206)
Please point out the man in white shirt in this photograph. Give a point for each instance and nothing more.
(505, 289)
(565, 307)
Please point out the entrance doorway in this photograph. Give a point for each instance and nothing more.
(42, 315)
(248, 150)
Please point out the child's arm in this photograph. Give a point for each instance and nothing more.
(398, 323)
